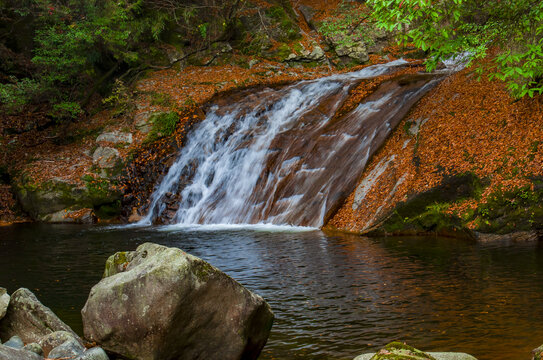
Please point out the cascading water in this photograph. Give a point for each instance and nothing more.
(277, 157)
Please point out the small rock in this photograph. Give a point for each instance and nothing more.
(537, 354)
(4, 302)
(106, 157)
(252, 63)
(33, 347)
(96, 353)
(7, 353)
(15, 342)
(53, 340)
(115, 137)
(69, 349)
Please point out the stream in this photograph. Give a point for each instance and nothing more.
(335, 296)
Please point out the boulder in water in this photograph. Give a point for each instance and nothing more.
(162, 303)
(28, 318)
(399, 351)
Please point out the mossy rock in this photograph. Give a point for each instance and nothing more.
(40, 200)
(399, 351)
(520, 209)
(427, 211)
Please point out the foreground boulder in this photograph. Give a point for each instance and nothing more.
(162, 303)
(29, 319)
(399, 351)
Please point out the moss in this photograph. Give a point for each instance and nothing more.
(114, 263)
(290, 30)
(164, 124)
(281, 53)
(427, 211)
(399, 351)
(161, 99)
(203, 270)
(520, 209)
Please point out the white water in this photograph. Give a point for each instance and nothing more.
(223, 173)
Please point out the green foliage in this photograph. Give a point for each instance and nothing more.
(347, 27)
(66, 111)
(120, 99)
(164, 124)
(287, 25)
(17, 94)
(450, 27)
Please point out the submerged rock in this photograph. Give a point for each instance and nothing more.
(4, 302)
(28, 318)
(162, 303)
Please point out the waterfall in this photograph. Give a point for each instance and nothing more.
(277, 157)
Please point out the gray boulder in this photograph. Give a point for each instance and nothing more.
(7, 353)
(68, 350)
(95, 353)
(106, 157)
(4, 302)
(355, 51)
(55, 339)
(162, 303)
(28, 318)
(115, 137)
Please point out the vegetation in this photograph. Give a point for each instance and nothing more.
(64, 48)
(474, 28)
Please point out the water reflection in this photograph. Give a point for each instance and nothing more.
(334, 296)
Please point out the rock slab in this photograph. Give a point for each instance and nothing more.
(162, 303)
(28, 318)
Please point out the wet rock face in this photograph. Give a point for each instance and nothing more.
(162, 303)
(29, 319)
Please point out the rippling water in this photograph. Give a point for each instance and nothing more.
(334, 296)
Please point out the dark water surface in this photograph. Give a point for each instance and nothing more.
(334, 296)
